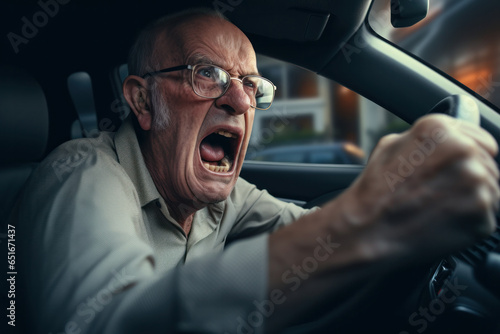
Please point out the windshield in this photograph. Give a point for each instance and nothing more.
(459, 37)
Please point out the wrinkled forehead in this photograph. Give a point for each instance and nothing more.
(206, 39)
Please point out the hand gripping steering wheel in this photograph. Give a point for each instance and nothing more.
(464, 289)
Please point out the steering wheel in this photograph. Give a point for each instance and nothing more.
(462, 294)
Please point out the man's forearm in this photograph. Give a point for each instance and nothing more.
(321, 257)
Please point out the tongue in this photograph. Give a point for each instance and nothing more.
(211, 151)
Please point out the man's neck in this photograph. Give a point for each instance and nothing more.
(181, 212)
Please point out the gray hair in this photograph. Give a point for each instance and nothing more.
(144, 56)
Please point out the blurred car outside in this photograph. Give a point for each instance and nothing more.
(324, 153)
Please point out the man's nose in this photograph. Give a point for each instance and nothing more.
(235, 100)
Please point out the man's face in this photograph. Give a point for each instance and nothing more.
(200, 154)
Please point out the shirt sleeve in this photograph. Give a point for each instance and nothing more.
(86, 270)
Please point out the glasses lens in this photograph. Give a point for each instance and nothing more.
(212, 82)
(209, 81)
(260, 90)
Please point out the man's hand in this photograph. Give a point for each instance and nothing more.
(424, 194)
(428, 191)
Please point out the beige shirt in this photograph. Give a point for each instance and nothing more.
(100, 253)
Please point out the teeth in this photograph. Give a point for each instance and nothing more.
(225, 162)
(226, 134)
(224, 168)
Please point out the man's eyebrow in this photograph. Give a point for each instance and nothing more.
(199, 58)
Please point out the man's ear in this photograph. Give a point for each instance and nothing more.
(136, 94)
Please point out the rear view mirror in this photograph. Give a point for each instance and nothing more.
(405, 13)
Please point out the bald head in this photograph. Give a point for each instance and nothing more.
(166, 38)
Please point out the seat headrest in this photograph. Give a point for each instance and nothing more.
(24, 117)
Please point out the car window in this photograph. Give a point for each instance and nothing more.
(459, 37)
(286, 157)
(322, 157)
(316, 120)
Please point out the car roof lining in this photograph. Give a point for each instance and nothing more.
(293, 31)
(304, 32)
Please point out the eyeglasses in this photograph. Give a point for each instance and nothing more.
(211, 82)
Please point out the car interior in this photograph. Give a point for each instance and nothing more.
(61, 68)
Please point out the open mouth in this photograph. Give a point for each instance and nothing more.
(218, 151)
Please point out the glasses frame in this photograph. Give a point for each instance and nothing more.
(192, 67)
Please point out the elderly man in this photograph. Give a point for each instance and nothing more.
(152, 231)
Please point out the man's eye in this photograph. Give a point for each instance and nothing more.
(249, 83)
(206, 73)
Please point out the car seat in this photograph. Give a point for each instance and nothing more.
(24, 125)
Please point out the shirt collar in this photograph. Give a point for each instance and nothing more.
(131, 159)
